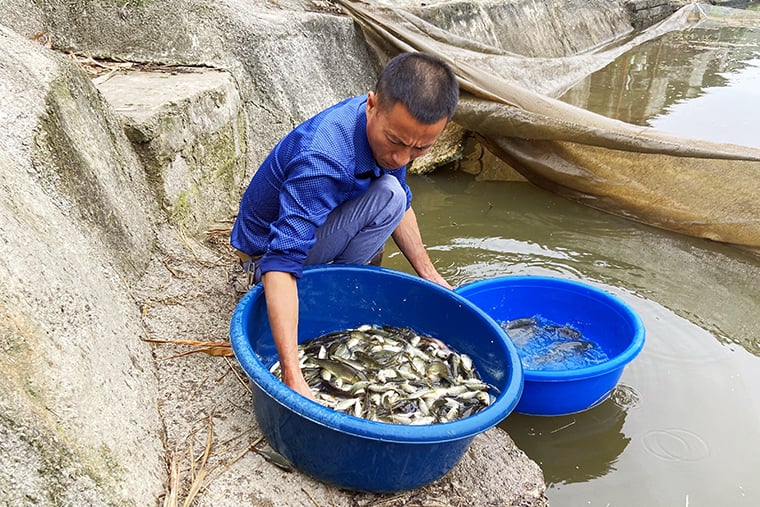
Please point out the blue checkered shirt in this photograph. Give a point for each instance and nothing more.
(321, 164)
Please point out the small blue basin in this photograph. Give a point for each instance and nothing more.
(598, 315)
(352, 452)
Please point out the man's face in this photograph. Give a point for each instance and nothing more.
(395, 136)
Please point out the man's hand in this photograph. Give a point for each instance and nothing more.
(296, 382)
(437, 278)
(281, 295)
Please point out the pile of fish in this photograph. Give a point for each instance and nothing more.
(392, 375)
(545, 345)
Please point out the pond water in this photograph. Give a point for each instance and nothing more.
(702, 83)
(683, 425)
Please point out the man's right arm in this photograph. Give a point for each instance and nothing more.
(281, 295)
(408, 238)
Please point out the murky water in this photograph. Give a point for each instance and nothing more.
(702, 83)
(683, 426)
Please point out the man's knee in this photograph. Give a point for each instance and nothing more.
(396, 197)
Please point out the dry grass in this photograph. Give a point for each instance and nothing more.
(189, 474)
(212, 348)
(196, 472)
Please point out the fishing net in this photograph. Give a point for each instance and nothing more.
(694, 187)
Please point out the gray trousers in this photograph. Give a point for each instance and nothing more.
(356, 231)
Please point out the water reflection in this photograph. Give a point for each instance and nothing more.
(687, 410)
(702, 83)
(552, 442)
(486, 229)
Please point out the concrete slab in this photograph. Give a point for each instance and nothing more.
(188, 127)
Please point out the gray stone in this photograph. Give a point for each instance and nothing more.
(190, 130)
(78, 398)
(288, 61)
(551, 28)
(645, 13)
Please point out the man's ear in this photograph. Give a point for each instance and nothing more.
(371, 101)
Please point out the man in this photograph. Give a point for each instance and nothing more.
(334, 189)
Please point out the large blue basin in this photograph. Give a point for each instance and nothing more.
(351, 452)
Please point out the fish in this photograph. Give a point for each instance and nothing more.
(522, 330)
(560, 352)
(545, 345)
(392, 375)
(273, 457)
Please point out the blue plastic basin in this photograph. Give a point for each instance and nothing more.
(599, 316)
(348, 451)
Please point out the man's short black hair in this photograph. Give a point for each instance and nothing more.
(423, 83)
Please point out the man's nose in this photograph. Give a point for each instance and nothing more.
(402, 156)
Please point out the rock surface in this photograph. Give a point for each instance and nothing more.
(79, 394)
(189, 128)
(551, 28)
(647, 12)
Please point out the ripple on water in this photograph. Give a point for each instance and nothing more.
(625, 396)
(676, 444)
(673, 339)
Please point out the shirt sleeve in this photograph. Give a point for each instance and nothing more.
(314, 186)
